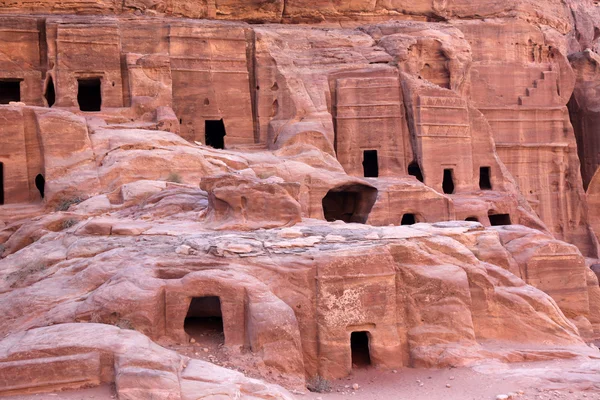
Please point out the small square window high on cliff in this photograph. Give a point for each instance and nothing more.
(499, 219)
(214, 133)
(10, 90)
(89, 94)
(370, 164)
(485, 182)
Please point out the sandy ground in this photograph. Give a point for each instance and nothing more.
(444, 384)
(528, 381)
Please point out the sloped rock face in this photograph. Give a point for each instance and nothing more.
(179, 191)
(80, 355)
(433, 295)
(248, 203)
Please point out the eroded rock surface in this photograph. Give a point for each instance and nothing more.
(188, 188)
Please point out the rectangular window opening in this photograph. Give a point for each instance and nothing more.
(485, 182)
(370, 164)
(89, 94)
(10, 90)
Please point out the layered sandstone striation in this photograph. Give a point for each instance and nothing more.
(293, 177)
(435, 295)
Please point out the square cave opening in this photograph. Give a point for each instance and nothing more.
(499, 219)
(89, 94)
(370, 164)
(10, 90)
(214, 133)
(204, 320)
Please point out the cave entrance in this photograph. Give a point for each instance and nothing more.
(351, 203)
(214, 133)
(408, 219)
(10, 90)
(472, 219)
(485, 182)
(204, 320)
(40, 184)
(50, 94)
(89, 94)
(359, 345)
(370, 164)
(340, 206)
(1, 183)
(448, 183)
(499, 219)
(415, 170)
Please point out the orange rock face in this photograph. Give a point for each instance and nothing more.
(293, 189)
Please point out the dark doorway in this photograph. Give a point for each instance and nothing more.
(370, 164)
(214, 134)
(1, 183)
(485, 182)
(472, 219)
(349, 203)
(415, 170)
(89, 94)
(499, 219)
(50, 94)
(204, 320)
(10, 90)
(340, 206)
(408, 219)
(359, 344)
(448, 183)
(40, 184)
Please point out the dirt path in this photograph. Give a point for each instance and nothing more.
(457, 384)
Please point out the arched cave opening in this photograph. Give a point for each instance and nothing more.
(214, 133)
(499, 219)
(472, 219)
(204, 320)
(485, 182)
(370, 164)
(415, 170)
(10, 90)
(40, 184)
(50, 94)
(89, 94)
(359, 345)
(349, 203)
(448, 182)
(1, 183)
(408, 219)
